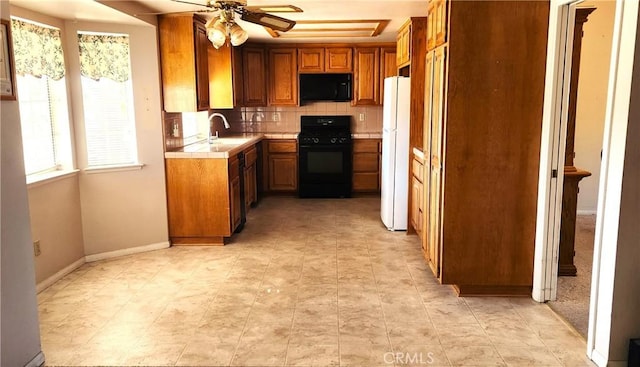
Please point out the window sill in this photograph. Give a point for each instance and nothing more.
(106, 169)
(45, 178)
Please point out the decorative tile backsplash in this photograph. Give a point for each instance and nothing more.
(183, 129)
(287, 119)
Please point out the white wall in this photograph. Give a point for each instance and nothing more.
(592, 95)
(616, 285)
(124, 209)
(19, 333)
(54, 205)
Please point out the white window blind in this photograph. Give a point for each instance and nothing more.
(109, 123)
(42, 95)
(107, 99)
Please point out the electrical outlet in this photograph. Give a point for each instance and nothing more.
(36, 248)
(361, 118)
(276, 117)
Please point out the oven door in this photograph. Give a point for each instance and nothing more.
(324, 170)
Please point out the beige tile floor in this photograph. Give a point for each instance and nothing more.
(307, 283)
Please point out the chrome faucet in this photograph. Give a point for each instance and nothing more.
(224, 120)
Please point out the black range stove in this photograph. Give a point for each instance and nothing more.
(324, 165)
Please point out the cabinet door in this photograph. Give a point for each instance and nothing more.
(221, 78)
(250, 186)
(436, 145)
(254, 78)
(387, 67)
(283, 172)
(404, 45)
(236, 202)
(367, 76)
(416, 196)
(202, 66)
(338, 60)
(431, 25)
(311, 60)
(440, 27)
(283, 77)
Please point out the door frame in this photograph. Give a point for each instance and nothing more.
(552, 148)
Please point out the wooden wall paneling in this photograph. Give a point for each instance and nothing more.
(497, 58)
(283, 77)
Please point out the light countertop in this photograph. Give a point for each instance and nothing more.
(222, 147)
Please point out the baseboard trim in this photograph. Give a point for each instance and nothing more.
(599, 359)
(37, 361)
(126, 251)
(59, 275)
(586, 212)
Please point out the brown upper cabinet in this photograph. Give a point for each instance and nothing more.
(184, 63)
(366, 89)
(388, 67)
(403, 48)
(436, 23)
(225, 77)
(283, 77)
(254, 76)
(325, 60)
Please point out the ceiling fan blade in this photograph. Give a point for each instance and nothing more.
(190, 3)
(179, 12)
(274, 9)
(268, 20)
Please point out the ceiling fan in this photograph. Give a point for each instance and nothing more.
(223, 25)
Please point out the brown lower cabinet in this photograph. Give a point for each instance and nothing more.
(204, 197)
(366, 165)
(281, 165)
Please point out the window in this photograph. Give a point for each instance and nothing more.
(42, 96)
(107, 96)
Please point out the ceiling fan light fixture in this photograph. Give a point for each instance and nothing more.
(217, 33)
(237, 35)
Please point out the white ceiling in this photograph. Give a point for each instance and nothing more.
(395, 11)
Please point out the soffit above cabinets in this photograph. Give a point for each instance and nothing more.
(350, 28)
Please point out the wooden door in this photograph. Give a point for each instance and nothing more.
(283, 172)
(283, 77)
(221, 83)
(311, 60)
(440, 27)
(254, 78)
(367, 76)
(202, 65)
(338, 60)
(250, 186)
(426, 149)
(436, 146)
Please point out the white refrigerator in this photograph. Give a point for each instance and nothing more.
(395, 153)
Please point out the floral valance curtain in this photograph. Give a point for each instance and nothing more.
(104, 56)
(37, 50)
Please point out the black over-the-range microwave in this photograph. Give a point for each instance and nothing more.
(325, 87)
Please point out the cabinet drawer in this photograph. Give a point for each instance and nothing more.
(418, 169)
(365, 145)
(365, 182)
(365, 162)
(282, 146)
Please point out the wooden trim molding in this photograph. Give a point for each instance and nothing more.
(333, 28)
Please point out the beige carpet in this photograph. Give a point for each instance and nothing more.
(573, 292)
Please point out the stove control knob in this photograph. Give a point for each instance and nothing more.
(333, 140)
(342, 140)
(316, 140)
